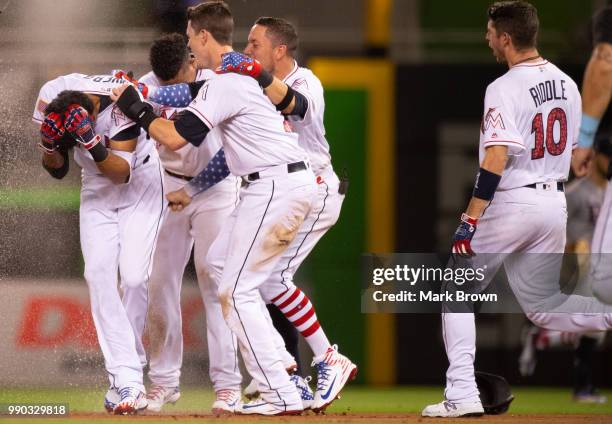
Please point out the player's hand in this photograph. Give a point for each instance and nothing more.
(129, 76)
(239, 63)
(80, 126)
(581, 159)
(463, 237)
(51, 131)
(178, 200)
(118, 91)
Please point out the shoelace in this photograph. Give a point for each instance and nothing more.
(127, 392)
(225, 395)
(157, 392)
(323, 370)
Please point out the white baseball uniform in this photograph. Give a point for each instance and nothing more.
(280, 287)
(601, 248)
(200, 222)
(119, 224)
(280, 194)
(535, 110)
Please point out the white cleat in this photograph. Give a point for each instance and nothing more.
(334, 370)
(304, 390)
(448, 409)
(228, 402)
(131, 401)
(158, 396)
(111, 399)
(260, 406)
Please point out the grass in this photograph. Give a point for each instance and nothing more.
(57, 197)
(355, 400)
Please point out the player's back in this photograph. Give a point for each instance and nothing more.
(535, 110)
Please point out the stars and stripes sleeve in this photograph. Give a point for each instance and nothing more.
(215, 171)
(177, 95)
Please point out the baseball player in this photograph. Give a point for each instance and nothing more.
(530, 124)
(298, 93)
(121, 210)
(280, 193)
(197, 225)
(596, 93)
(584, 199)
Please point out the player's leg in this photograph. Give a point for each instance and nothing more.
(584, 388)
(99, 234)
(268, 216)
(297, 307)
(289, 335)
(164, 326)
(213, 211)
(140, 216)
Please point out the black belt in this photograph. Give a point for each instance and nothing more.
(182, 177)
(291, 168)
(560, 186)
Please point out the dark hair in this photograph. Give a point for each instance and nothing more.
(214, 17)
(602, 26)
(517, 18)
(167, 55)
(280, 31)
(68, 97)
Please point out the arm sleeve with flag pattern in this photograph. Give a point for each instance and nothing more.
(215, 171)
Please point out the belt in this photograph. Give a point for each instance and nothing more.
(547, 186)
(291, 168)
(182, 177)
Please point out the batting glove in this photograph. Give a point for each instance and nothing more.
(239, 63)
(242, 64)
(80, 126)
(463, 237)
(129, 77)
(51, 131)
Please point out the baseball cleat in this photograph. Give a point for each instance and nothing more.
(132, 400)
(260, 406)
(228, 402)
(590, 396)
(334, 370)
(448, 409)
(528, 358)
(111, 399)
(304, 390)
(158, 396)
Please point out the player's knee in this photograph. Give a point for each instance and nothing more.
(133, 279)
(225, 298)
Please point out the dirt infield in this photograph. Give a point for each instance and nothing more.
(360, 418)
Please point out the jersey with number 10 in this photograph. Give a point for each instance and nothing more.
(535, 110)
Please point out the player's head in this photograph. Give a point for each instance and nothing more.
(70, 97)
(209, 25)
(272, 40)
(602, 26)
(171, 61)
(512, 27)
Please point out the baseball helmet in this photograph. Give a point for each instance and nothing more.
(495, 393)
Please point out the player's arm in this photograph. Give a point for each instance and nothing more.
(54, 158)
(487, 180)
(287, 100)
(173, 134)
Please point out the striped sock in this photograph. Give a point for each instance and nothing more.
(298, 309)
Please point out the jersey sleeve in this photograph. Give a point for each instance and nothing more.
(42, 102)
(119, 122)
(498, 126)
(219, 99)
(301, 85)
